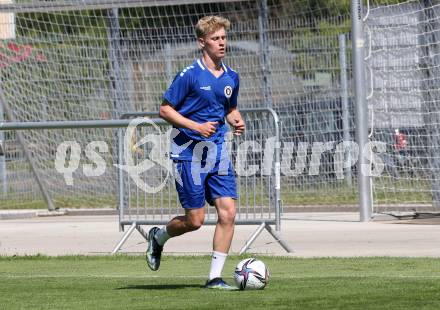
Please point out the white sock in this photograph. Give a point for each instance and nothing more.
(217, 263)
(162, 236)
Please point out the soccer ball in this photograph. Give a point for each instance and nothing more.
(251, 274)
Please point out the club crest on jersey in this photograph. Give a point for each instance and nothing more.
(228, 91)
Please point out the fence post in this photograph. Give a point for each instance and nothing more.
(344, 104)
(114, 53)
(7, 32)
(358, 44)
(120, 179)
(3, 172)
(113, 34)
(430, 69)
(277, 170)
(168, 63)
(263, 26)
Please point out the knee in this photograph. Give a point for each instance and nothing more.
(227, 217)
(194, 224)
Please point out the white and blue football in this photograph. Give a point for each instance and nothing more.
(251, 274)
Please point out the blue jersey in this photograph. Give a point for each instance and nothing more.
(200, 96)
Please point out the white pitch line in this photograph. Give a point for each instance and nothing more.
(203, 277)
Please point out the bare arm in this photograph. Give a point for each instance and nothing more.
(168, 113)
(236, 121)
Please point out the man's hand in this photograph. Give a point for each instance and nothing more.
(236, 121)
(207, 129)
(239, 126)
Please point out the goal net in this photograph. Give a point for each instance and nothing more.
(403, 98)
(94, 59)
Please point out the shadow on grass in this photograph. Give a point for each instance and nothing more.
(160, 287)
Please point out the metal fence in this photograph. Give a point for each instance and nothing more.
(255, 156)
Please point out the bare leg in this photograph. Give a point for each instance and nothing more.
(192, 220)
(179, 225)
(224, 230)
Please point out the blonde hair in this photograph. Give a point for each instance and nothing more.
(209, 24)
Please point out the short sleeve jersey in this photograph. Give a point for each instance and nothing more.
(200, 96)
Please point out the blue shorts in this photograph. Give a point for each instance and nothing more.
(195, 186)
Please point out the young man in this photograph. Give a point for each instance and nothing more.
(197, 103)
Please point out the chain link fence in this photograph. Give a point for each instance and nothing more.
(98, 60)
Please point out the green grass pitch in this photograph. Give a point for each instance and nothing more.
(125, 282)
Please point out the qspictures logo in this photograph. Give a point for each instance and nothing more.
(143, 158)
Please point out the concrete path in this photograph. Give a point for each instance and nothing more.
(309, 234)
